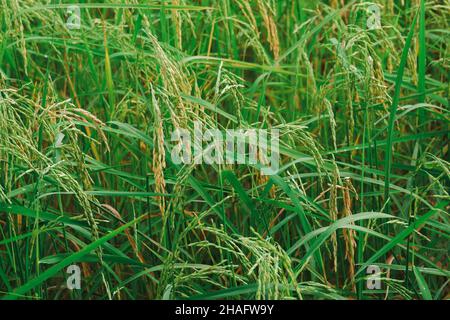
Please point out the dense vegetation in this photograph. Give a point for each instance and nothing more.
(86, 176)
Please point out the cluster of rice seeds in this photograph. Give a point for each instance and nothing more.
(85, 122)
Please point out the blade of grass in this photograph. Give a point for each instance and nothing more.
(392, 114)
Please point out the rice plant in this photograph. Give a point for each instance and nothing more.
(91, 94)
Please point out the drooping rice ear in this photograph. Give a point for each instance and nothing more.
(159, 155)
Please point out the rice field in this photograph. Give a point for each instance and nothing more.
(96, 204)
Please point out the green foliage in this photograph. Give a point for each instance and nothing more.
(86, 177)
